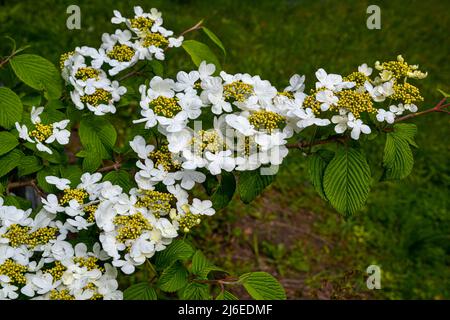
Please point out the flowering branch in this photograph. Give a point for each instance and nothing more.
(197, 26)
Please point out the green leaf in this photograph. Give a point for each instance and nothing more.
(173, 278)
(406, 131)
(226, 295)
(9, 161)
(33, 99)
(445, 94)
(11, 108)
(317, 163)
(215, 39)
(157, 67)
(262, 286)
(196, 291)
(28, 165)
(7, 142)
(92, 161)
(40, 178)
(97, 134)
(177, 250)
(73, 173)
(252, 183)
(225, 191)
(201, 52)
(347, 180)
(120, 178)
(17, 202)
(398, 159)
(38, 73)
(140, 291)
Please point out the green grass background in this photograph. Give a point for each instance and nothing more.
(405, 226)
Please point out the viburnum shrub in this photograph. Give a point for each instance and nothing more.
(87, 198)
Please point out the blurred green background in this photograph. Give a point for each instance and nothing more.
(289, 231)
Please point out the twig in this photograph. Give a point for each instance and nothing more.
(438, 108)
(304, 144)
(197, 26)
(115, 166)
(28, 183)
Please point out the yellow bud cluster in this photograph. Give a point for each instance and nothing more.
(61, 295)
(57, 271)
(357, 77)
(164, 157)
(237, 90)
(15, 272)
(355, 102)
(400, 68)
(207, 140)
(85, 73)
(159, 203)
(90, 263)
(406, 93)
(69, 194)
(188, 221)
(64, 57)
(100, 96)
(141, 23)
(121, 52)
(42, 131)
(90, 210)
(131, 227)
(166, 107)
(266, 120)
(155, 39)
(288, 94)
(19, 235)
(311, 102)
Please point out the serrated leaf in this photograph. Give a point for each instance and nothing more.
(317, 163)
(226, 295)
(9, 161)
(252, 183)
(7, 142)
(120, 178)
(201, 52)
(97, 134)
(28, 165)
(38, 73)
(173, 278)
(225, 191)
(262, 286)
(92, 161)
(347, 180)
(140, 291)
(215, 39)
(11, 108)
(406, 131)
(398, 159)
(196, 291)
(177, 250)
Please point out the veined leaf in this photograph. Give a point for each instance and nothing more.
(140, 291)
(347, 180)
(173, 278)
(97, 134)
(7, 142)
(38, 73)
(196, 291)
(214, 39)
(201, 52)
(11, 108)
(251, 184)
(9, 161)
(317, 163)
(177, 250)
(225, 191)
(262, 286)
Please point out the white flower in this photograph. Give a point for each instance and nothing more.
(189, 178)
(206, 70)
(62, 250)
(241, 124)
(149, 117)
(59, 183)
(383, 115)
(296, 83)
(219, 105)
(327, 98)
(380, 92)
(220, 160)
(139, 146)
(357, 127)
(161, 87)
(51, 204)
(308, 118)
(331, 81)
(340, 121)
(186, 81)
(365, 70)
(202, 207)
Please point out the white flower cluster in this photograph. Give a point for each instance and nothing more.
(145, 39)
(44, 133)
(43, 258)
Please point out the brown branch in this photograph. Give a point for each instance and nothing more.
(438, 108)
(221, 282)
(115, 166)
(197, 26)
(28, 183)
